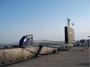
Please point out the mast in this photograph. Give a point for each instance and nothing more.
(68, 22)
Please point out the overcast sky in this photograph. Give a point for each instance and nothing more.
(45, 19)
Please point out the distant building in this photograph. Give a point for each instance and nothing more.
(69, 34)
(88, 41)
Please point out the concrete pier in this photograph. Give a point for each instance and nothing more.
(76, 57)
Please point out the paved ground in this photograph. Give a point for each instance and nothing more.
(76, 57)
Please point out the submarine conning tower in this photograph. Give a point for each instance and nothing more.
(69, 33)
(26, 40)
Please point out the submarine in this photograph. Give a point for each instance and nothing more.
(24, 51)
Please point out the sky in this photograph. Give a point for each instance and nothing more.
(45, 19)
